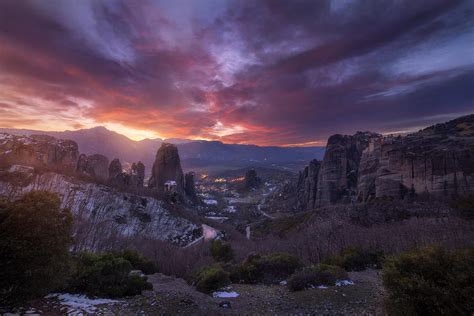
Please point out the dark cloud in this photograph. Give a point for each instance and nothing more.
(266, 72)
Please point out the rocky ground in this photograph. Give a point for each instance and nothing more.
(172, 296)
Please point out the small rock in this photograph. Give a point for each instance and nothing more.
(225, 304)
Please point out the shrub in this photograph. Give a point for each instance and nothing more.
(430, 281)
(139, 262)
(338, 272)
(464, 205)
(357, 259)
(309, 278)
(35, 235)
(267, 269)
(211, 279)
(221, 252)
(105, 275)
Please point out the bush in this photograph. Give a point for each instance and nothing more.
(211, 279)
(430, 281)
(221, 252)
(308, 278)
(338, 272)
(464, 205)
(105, 275)
(139, 262)
(357, 259)
(35, 235)
(267, 269)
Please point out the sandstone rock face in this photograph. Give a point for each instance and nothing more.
(38, 151)
(115, 170)
(105, 218)
(167, 167)
(189, 186)
(307, 186)
(338, 174)
(96, 166)
(438, 160)
(251, 180)
(138, 172)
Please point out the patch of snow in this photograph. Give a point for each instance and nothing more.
(344, 282)
(210, 202)
(284, 282)
(220, 294)
(230, 209)
(322, 287)
(78, 304)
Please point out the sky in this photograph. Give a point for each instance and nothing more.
(265, 72)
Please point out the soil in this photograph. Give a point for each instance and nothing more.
(172, 296)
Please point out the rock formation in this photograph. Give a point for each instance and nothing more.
(438, 160)
(167, 167)
(105, 218)
(307, 186)
(96, 166)
(251, 180)
(138, 174)
(338, 175)
(189, 186)
(115, 170)
(38, 151)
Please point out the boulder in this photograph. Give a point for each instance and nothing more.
(189, 186)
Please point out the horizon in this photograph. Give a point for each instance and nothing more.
(267, 73)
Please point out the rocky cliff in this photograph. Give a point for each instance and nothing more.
(95, 166)
(38, 151)
(167, 167)
(307, 186)
(338, 174)
(103, 217)
(438, 160)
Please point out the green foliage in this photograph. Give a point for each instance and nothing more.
(221, 252)
(430, 281)
(357, 259)
(105, 275)
(35, 235)
(322, 274)
(268, 269)
(139, 262)
(211, 279)
(309, 278)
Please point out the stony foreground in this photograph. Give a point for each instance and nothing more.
(173, 296)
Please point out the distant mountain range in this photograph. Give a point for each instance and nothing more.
(198, 155)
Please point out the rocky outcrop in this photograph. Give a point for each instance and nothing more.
(38, 151)
(105, 218)
(307, 186)
(189, 186)
(138, 174)
(251, 180)
(95, 166)
(338, 174)
(438, 160)
(131, 180)
(167, 167)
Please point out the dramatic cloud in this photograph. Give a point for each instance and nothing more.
(267, 72)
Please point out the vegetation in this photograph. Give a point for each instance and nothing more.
(138, 261)
(211, 279)
(221, 252)
(464, 205)
(34, 241)
(105, 275)
(430, 281)
(325, 275)
(268, 269)
(357, 259)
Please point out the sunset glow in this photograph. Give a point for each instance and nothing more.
(254, 72)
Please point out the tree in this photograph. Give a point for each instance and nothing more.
(35, 235)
